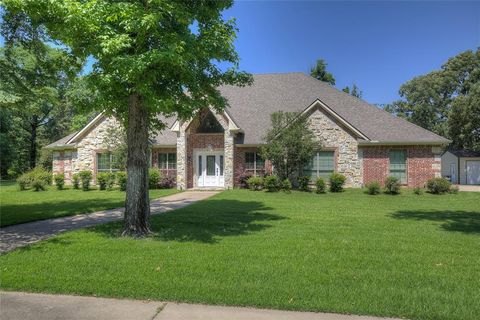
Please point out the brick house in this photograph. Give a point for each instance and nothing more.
(214, 149)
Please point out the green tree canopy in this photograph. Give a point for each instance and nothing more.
(151, 57)
(319, 72)
(354, 91)
(445, 101)
(290, 144)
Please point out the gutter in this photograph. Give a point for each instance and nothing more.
(398, 143)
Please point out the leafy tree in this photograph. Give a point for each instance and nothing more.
(33, 78)
(290, 144)
(355, 91)
(319, 72)
(445, 101)
(151, 57)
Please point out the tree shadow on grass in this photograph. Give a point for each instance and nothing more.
(205, 222)
(459, 221)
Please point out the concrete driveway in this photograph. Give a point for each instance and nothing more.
(19, 235)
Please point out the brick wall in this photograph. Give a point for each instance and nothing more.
(239, 164)
(201, 141)
(63, 163)
(422, 164)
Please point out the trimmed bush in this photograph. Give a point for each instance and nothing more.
(337, 180)
(373, 187)
(255, 183)
(320, 184)
(303, 183)
(122, 180)
(392, 185)
(154, 177)
(85, 178)
(438, 185)
(59, 181)
(40, 175)
(271, 183)
(23, 182)
(76, 181)
(286, 186)
(38, 184)
(418, 191)
(242, 180)
(111, 181)
(167, 182)
(102, 180)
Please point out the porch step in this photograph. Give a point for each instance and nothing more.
(206, 189)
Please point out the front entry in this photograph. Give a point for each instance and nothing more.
(209, 169)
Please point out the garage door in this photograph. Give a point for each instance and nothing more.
(473, 172)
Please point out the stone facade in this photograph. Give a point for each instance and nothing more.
(84, 156)
(360, 164)
(334, 136)
(423, 163)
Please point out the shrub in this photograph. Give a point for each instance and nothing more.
(242, 180)
(320, 184)
(154, 176)
(418, 191)
(373, 187)
(255, 183)
(122, 180)
(271, 183)
(38, 184)
(39, 175)
(337, 181)
(286, 186)
(454, 189)
(303, 183)
(24, 182)
(392, 185)
(111, 181)
(85, 178)
(167, 182)
(76, 181)
(102, 180)
(438, 185)
(59, 181)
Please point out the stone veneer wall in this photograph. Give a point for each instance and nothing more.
(83, 158)
(423, 163)
(334, 136)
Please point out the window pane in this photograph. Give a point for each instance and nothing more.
(172, 161)
(210, 165)
(103, 162)
(221, 165)
(249, 160)
(260, 165)
(162, 160)
(200, 166)
(326, 163)
(398, 165)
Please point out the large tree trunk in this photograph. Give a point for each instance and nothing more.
(137, 205)
(33, 143)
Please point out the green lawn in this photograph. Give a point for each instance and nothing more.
(23, 206)
(406, 256)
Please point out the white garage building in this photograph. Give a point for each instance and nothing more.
(461, 166)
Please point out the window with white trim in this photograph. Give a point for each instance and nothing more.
(322, 165)
(106, 162)
(398, 165)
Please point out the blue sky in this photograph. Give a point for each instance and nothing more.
(377, 45)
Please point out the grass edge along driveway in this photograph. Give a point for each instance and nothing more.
(400, 256)
(26, 206)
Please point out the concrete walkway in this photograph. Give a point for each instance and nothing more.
(19, 235)
(27, 306)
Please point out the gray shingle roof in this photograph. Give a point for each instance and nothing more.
(250, 108)
(60, 142)
(465, 153)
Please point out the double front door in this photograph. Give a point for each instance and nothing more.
(209, 169)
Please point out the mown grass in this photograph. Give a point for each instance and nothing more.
(24, 206)
(404, 256)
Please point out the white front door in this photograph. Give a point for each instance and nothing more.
(209, 169)
(473, 172)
